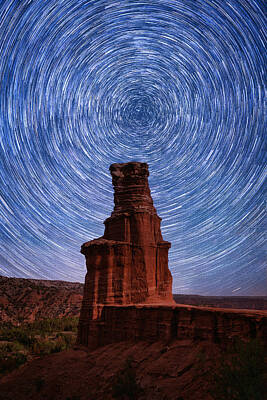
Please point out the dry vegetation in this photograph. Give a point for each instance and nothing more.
(19, 344)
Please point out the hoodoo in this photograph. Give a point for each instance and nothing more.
(127, 292)
(129, 263)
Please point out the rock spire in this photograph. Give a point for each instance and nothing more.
(129, 263)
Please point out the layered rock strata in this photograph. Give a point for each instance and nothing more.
(129, 263)
(153, 323)
(127, 292)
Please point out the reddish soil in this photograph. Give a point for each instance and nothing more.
(179, 371)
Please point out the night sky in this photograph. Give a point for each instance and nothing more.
(178, 84)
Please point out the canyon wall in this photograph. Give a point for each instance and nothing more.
(154, 323)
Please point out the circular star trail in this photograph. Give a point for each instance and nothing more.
(177, 84)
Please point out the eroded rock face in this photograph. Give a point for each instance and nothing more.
(165, 323)
(129, 264)
(127, 293)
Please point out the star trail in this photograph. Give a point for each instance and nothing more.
(178, 84)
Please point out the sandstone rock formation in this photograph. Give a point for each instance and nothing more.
(129, 264)
(127, 292)
(152, 323)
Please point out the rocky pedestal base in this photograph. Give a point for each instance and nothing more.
(129, 264)
(166, 323)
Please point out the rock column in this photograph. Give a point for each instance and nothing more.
(129, 264)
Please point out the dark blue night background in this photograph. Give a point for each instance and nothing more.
(178, 84)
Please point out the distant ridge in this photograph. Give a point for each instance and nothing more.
(25, 300)
(237, 302)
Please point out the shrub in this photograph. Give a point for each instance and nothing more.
(241, 375)
(10, 347)
(125, 384)
(39, 384)
(55, 324)
(75, 397)
(59, 343)
(34, 339)
(10, 362)
(42, 347)
(18, 334)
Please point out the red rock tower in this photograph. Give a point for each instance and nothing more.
(129, 264)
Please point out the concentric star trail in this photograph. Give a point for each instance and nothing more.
(178, 84)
